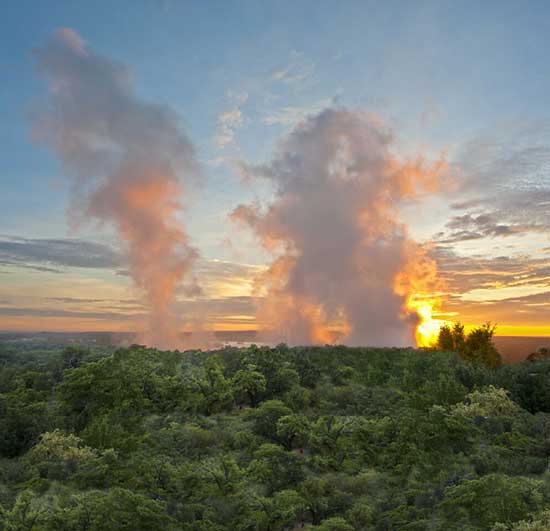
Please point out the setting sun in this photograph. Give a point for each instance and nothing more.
(428, 328)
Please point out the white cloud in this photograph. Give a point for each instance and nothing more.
(238, 97)
(298, 69)
(291, 115)
(228, 122)
(217, 161)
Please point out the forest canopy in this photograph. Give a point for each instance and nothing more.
(258, 438)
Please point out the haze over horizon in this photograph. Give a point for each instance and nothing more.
(245, 130)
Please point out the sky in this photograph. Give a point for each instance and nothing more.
(464, 82)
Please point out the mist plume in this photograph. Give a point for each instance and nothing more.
(344, 260)
(126, 158)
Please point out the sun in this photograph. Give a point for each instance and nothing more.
(427, 330)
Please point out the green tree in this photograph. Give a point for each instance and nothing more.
(317, 493)
(249, 383)
(275, 467)
(539, 522)
(490, 402)
(266, 416)
(223, 472)
(292, 429)
(477, 346)
(481, 503)
(336, 523)
(480, 348)
(58, 455)
(30, 511)
(445, 340)
(117, 509)
(331, 437)
(281, 511)
(541, 354)
(212, 384)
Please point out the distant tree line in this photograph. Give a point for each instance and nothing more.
(477, 346)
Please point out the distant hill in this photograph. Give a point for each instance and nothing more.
(514, 349)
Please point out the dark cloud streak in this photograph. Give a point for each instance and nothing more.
(505, 186)
(49, 254)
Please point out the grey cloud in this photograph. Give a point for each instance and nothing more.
(505, 185)
(111, 303)
(216, 308)
(18, 265)
(49, 254)
(473, 227)
(55, 312)
(75, 300)
(532, 309)
(223, 269)
(464, 274)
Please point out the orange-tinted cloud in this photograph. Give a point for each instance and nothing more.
(126, 157)
(334, 224)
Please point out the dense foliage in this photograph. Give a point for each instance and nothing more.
(329, 438)
(477, 346)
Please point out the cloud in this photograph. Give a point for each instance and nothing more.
(334, 230)
(527, 310)
(108, 303)
(239, 97)
(473, 227)
(26, 312)
(226, 302)
(298, 70)
(128, 160)
(225, 269)
(50, 254)
(41, 269)
(77, 300)
(228, 122)
(466, 273)
(216, 309)
(502, 191)
(220, 312)
(291, 115)
(505, 185)
(510, 290)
